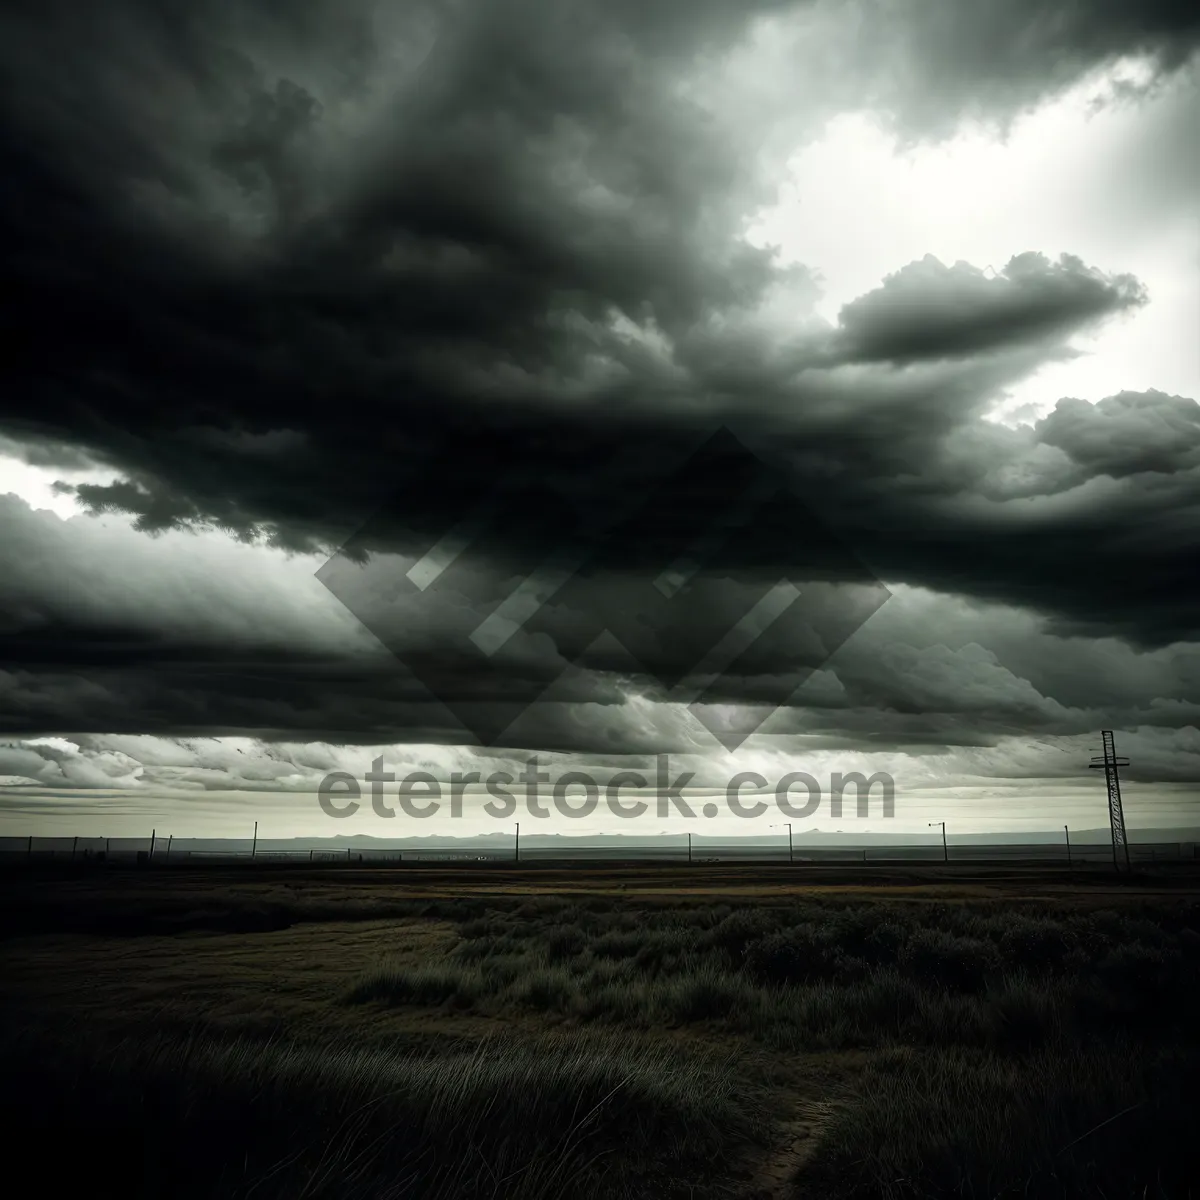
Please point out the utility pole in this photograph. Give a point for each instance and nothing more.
(789, 829)
(945, 852)
(517, 848)
(254, 844)
(1109, 762)
(1068, 834)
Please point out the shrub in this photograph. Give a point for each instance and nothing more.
(709, 995)
(1038, 944)
(400, 985)
(1024, 1012)
(549, 990)
(618, 944)
(798, 955)
(940, 959)
(734, 935)
(565, 942)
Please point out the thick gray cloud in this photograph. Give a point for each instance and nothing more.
(926, 64)
(108, 631)
(928, 310)
(1128, 434)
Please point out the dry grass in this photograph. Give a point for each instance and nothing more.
(529, 1120)
(892, 1045)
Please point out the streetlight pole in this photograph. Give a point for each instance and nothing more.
(945, 852)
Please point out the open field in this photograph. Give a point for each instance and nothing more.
(713, 1032)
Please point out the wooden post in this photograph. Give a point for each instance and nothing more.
(74, 844)
(689, 847)
(1067, 833)
(29, 847)
(254, 844)
(517, 851)
(152, 833)
(170, 839)
(310, 856)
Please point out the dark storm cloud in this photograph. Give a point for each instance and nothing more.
(451, 250)
(928, 310)
(927, 63)
(169, 643)
(1128, 434)
(104, 630)
(264, 260)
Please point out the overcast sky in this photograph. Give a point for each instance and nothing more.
(297, 286)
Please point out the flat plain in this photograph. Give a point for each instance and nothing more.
(735, 1031)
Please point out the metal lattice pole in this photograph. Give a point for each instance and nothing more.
(1110, 763)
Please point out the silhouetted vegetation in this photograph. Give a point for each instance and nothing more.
(818, 976)
(604, 1046)
(531, 1120)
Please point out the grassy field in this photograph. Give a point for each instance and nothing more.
(738, 1033)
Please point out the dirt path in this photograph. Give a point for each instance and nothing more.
(800, 1131)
